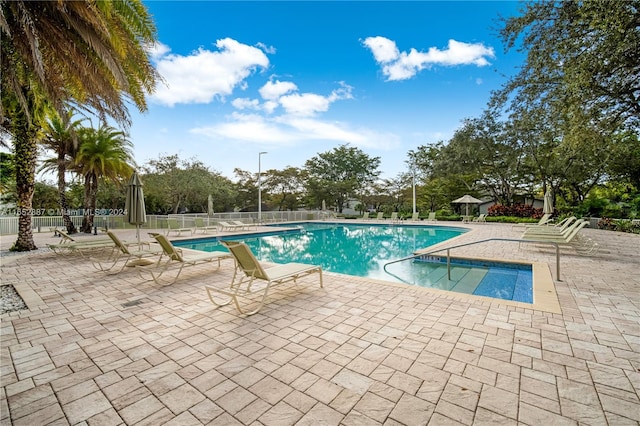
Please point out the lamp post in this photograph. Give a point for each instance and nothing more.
(260, 187)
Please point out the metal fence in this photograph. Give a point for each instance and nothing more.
(9, 224)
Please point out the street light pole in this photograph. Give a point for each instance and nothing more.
(260, 187)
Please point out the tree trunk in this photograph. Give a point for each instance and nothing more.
(90, 194)
(71, 228)
(25, 162)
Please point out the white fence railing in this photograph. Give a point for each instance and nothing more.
(9, 224)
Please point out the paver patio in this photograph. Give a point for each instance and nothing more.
(102, 349)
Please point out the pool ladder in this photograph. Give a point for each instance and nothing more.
(448, 249)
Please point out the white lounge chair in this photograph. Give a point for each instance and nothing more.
(181, 258)
(69, 245)
(125, 253)
(201, 226)
(175, 227)
(249, 270)
(432, 217)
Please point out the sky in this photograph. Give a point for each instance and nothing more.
(295, 79)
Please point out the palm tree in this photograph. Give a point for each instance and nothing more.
(91, 54)
(59, 136)
(103, 153)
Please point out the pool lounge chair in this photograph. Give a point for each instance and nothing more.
(249, 271)
(559, 227)
(200, 226)
(69, 245)
(228, 226)
(394, 217)
(569, 237)
(244, 226)
(432, 217)
(130, 254)
(175, 227)
(365, 216)
(480, 219)
(180, 258)
(544, 220)
(380, 216)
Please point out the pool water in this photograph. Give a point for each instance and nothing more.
(364, 249)
(501, 280)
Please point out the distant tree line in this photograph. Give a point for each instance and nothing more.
(568, 121)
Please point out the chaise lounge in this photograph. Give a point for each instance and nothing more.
(249, 270)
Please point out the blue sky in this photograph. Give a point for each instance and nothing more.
(298, 78)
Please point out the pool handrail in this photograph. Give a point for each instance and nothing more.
(448, 249)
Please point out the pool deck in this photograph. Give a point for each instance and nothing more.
(98, 349)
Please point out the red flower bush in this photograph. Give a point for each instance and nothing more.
(517, 210)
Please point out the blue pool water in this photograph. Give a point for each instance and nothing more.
(363, 250)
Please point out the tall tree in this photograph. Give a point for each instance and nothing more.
(103, 153)
(341, 173)
(285, 186)
(584, 53)
(59, 137)
(91, 54)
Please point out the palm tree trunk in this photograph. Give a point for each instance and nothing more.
(25, 157)
(71, 228)
(90, 194)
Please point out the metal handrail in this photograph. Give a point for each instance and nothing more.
(448, 249)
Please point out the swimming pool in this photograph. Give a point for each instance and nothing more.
(363, 250)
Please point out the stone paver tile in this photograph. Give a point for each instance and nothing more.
(537, 387)
(617, 420)
(31, 400)
(287, 373)
(623, 408)
(300, 401)
(251, 412)
(539, 401)
(437, 419)
(18, 387)
(323, 390)
(345, 401)
(282, 414)
(374, 406)
(404, 382)
(584, 413)
(460, 395)
(531, 415)
(225, 419)
(455, 413)
(141, 409)
(411, 410)
(320, 414)
(325, 369)
(106, 418)
(489, 418)
(353, 381)
(206, 411)
(355, 418)
(80, 390)
(49, 414)
(480, 374)
(165, 384)
(499, 401)
(184, 419)
(158, 418)
(235, 400)
(86, 407)
(270, 390)
(182, 398)
(387, 392)
(248, 377)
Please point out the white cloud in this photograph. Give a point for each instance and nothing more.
(288, 130)
(204, 74)
(273, 90)
(398, 65)
(245, 103)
